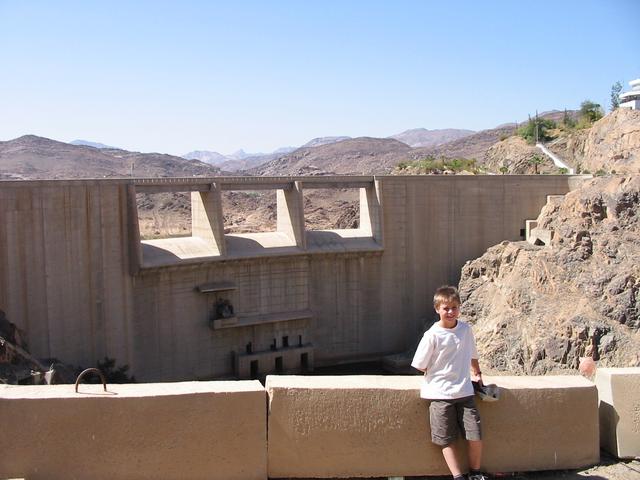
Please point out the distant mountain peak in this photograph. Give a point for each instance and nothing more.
(87, 143)
(422, 137)
(318, 141)
(212, 158)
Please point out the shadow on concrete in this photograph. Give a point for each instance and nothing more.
(346, 240)
(239, 246)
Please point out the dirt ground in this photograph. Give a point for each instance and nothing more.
(609, 468)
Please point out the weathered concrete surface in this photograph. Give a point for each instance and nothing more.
(372, 426)
(191, 430)
(619, 395)
(73, 274)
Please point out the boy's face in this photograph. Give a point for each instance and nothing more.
(448, 311)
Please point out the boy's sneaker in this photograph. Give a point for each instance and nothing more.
(478, 476)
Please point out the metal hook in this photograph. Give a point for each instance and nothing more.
(91, 370)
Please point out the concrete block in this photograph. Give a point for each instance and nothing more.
(377, 426)
(619, 395)
(540, 236)
(190, 430)
(529, 225)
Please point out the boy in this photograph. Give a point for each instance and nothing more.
(445, 354)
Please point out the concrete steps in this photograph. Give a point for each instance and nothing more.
(542, 236)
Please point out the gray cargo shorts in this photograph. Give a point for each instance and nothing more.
(447, 417)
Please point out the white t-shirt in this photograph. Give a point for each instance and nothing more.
(445, 354)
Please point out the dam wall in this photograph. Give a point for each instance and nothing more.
(77, 278)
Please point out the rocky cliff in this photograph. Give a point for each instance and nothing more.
(612, 144)
(518, 157)
(538, 309)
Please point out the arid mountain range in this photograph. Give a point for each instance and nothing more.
(36, 157)
(239, 161)
(611, 144)
(421, 137)
(31, 157)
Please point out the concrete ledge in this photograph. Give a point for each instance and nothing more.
(190, 430)
(377, 426)
(619, 395)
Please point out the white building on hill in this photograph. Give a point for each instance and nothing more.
(631, 99)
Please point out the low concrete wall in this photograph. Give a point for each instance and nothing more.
(319, 427)
(619, 395)
(191, 430)
(365, 426)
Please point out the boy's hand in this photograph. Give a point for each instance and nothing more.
(476, 373)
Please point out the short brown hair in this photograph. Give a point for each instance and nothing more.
(446, 294)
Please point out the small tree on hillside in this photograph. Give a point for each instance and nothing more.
(535, 161)
(541, 125)
(616, 88)
(567, 120)
(590, 112)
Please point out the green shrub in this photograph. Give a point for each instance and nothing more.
(431, 164)
(590, 112)
(528, 130)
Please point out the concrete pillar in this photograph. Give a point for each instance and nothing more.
(371, 211)
(133, 227)
(619, 395)
(290, 205)
(206, 217)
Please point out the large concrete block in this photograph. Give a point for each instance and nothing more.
(370, 426)
(190, 430)
(619, 395)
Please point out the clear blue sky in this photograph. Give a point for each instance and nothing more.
(179, 76)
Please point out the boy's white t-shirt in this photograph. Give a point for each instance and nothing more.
(445, 354)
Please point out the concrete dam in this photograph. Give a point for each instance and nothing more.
(77, 278)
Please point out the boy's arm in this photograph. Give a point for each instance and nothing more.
(476, 374)
(423, 354)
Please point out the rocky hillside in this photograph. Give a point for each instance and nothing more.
(357, 156)
(32, 157)
(470, 146)
(422, 137)
(538, 309)
(611, 144)
(518, 157)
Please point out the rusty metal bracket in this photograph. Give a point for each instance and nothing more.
(91, 370)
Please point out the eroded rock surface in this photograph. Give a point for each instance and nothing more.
(538, 309)
(518, 157)
(611, 144)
